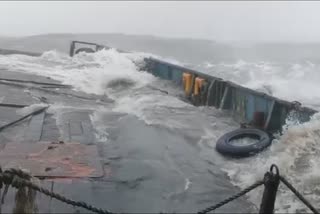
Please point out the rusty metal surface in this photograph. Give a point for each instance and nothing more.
(45, 159)
(145, 168)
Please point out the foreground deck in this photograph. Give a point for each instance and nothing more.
(144, 168)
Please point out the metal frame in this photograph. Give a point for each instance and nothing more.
(73, 46)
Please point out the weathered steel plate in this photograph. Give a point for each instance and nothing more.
(45, 159)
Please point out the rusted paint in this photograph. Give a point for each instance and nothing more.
(45, 159)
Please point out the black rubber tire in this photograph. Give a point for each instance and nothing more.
(224, 146)
(87, 50)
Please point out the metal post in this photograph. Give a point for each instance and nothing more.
(270, 191)
(72, 48)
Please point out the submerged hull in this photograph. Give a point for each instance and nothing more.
(248, 107)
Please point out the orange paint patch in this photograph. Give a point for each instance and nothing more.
(53, 160)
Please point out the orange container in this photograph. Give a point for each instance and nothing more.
(197, 85)
(187, 82)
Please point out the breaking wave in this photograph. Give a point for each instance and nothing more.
(289, 81)
(106, 72)
(91, 73)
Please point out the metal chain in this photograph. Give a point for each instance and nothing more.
(303, 199)
(243, 192)
(16, 178)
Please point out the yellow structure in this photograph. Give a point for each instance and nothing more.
(197, 85)
(187, 82)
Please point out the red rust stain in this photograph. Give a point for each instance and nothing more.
(75, 169)
(70, 160)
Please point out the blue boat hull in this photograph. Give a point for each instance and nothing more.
(242, 103)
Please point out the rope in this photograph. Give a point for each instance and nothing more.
(303, 199)
(18, 179)
(243, 192)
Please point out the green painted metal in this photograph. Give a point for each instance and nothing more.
(241, 102)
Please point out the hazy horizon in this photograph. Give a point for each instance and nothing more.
(251, 42)
(290, 22)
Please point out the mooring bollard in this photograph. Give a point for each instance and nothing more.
(271, 184)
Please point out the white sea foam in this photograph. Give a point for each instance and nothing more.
(296, 153)
(90, 73)
(32, 108)
(293, 82)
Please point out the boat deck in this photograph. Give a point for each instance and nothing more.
(144, 167)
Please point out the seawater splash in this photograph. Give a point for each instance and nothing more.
(86, 72)
(297, 154)
(32, 108)
(106, 72)
(290, 81)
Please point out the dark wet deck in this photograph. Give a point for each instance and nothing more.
(145, 167)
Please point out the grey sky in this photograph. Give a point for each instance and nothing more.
(251, 20)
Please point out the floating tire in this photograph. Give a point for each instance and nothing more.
(224, 146)
(87, 50)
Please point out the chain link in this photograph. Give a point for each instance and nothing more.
(303, 199)
(243, 192)
(18, 178)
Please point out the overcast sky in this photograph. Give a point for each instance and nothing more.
(222, 21)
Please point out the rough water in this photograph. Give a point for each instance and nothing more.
(116, 75)
(296, 81)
